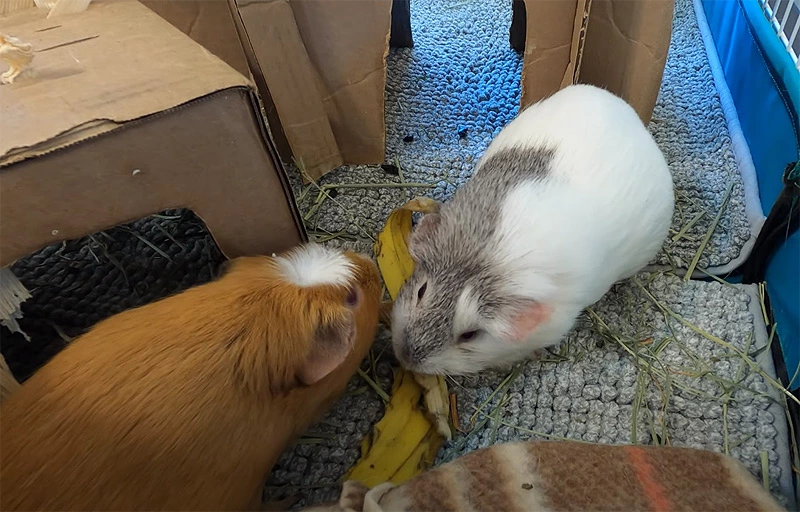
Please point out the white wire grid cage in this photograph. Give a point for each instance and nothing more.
(784, 17)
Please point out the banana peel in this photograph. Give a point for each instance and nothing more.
(391, 248)
(405, 441)
(396, 266)
(437, 402)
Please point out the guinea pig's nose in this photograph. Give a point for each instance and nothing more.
(407, 353)
(402, 350)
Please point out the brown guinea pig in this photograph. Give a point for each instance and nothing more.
(186, 403)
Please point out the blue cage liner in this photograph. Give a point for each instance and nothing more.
(760, 89)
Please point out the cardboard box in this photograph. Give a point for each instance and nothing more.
(121, 116)
(211, 24)
(320, 64)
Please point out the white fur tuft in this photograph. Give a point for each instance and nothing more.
(316, 265)
(467, 312)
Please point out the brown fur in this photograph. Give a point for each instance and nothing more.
(186, 403)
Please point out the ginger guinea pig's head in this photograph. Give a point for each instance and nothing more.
(308, 309)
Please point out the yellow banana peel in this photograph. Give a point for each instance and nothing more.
(396, 267)
(405, 441)
(391, 248)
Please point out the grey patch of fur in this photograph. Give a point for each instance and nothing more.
(453, 252)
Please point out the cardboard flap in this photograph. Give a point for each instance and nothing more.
(324, 63)
(351, 69)
(550, 47)
(115, 62)
(626, 49)
(293, 84)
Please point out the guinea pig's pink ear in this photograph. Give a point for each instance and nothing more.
(424, 231)
(526, 316)
(331, 345)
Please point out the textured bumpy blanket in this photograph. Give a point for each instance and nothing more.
(554, 476)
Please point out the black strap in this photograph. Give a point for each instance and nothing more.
(782, 221)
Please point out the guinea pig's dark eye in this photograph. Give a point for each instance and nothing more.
(468, 336)
(421, 291)
(352, 297)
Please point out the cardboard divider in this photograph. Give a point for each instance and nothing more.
(548, 48)
(347, 42)
(626, 49)
(293, 84)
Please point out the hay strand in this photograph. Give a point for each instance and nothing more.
(707, 237)
(719, 341)
(374, 385)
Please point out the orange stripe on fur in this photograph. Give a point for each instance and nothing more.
(645, 473)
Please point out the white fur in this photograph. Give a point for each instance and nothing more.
(466, 312)
(602, 215)
(316, 265)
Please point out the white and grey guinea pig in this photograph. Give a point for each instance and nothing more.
(570, 197)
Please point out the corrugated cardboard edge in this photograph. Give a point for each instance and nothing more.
(549, 81)
(274, 127)
(86, 131)
(8, 7)
(579, 38)
(576, 46)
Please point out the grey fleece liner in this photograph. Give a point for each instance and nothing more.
(460, 85)
(589, 386)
